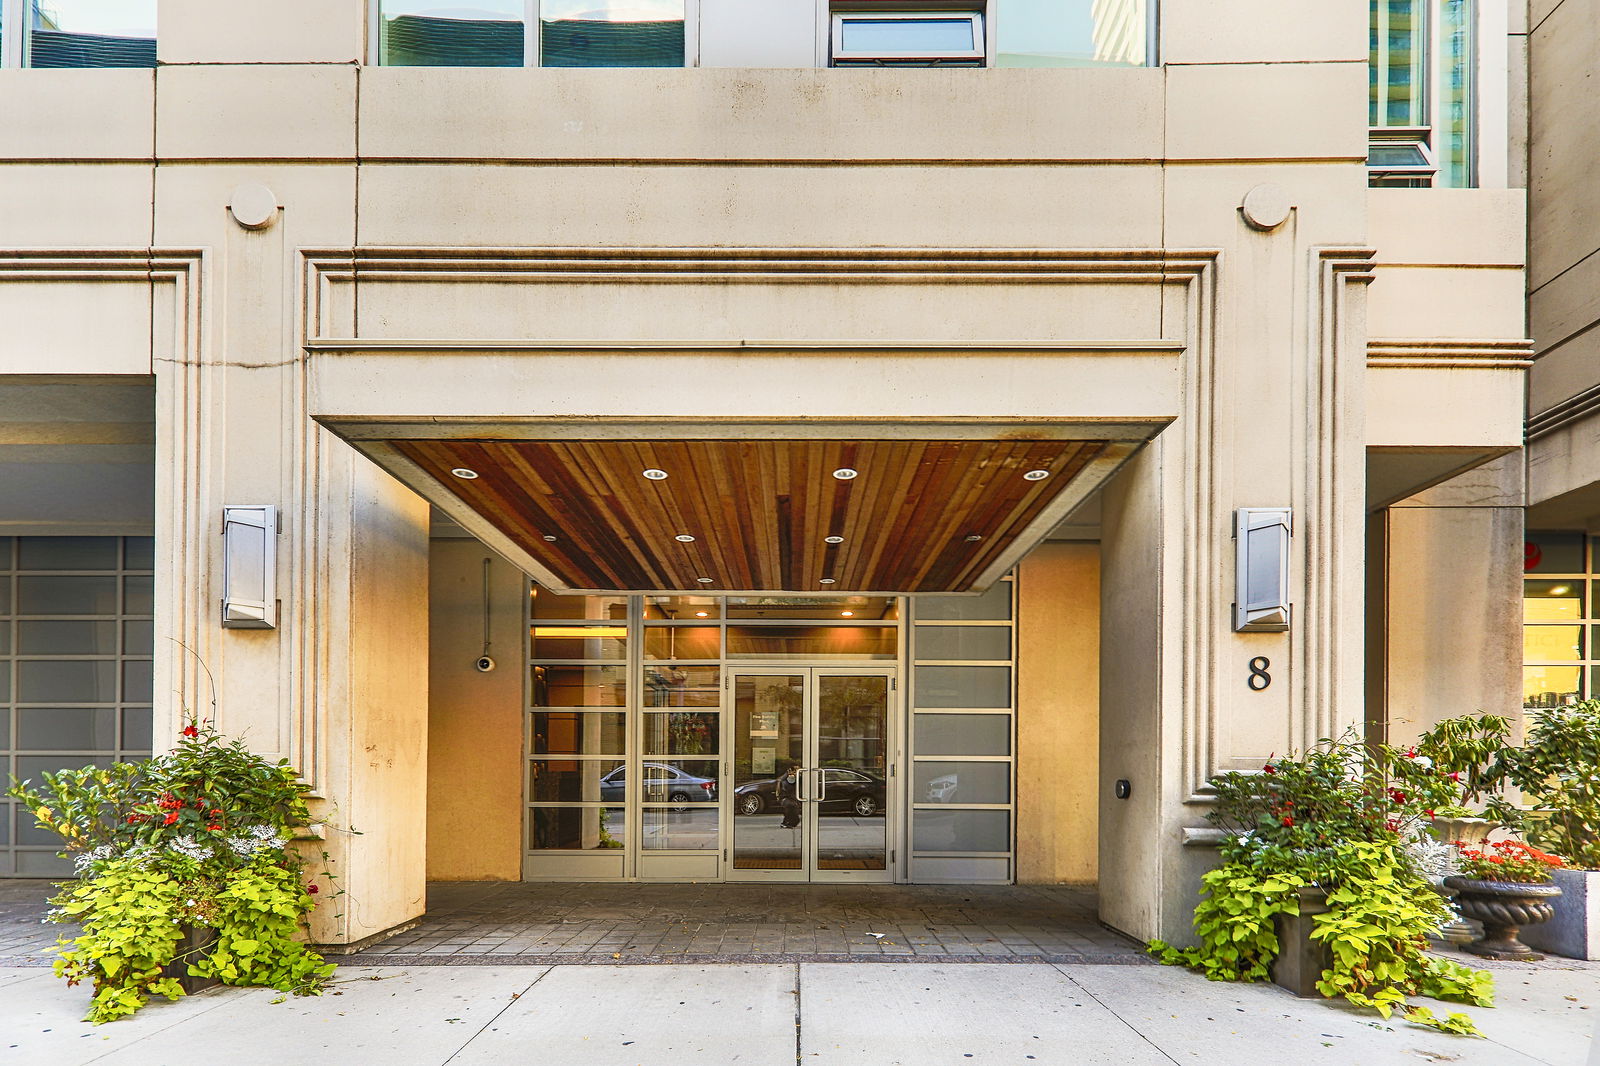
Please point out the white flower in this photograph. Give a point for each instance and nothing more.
(1424, 762)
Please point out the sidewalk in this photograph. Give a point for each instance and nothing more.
(818, 1014)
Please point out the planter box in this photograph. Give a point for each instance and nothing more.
(1575, 930)
(1301, 960)
(196, 943)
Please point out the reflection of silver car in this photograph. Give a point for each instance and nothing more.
(662, 784)
(943, 789)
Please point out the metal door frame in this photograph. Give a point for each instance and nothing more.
(808, 872)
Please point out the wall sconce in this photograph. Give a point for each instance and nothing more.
(1261, 571)
(250, 567)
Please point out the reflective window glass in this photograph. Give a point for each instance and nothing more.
(92, 33)
(679, 781)
(682, 608)
(813, 642)
(1550, 686)
(576, 828)
(1551, 643)
(77, 637)
(578, 642)
(51, 594)
(68, 553)
(818, 608)
(577, 780)
(138, 595)
(883, 35)
(1552, 553)
(549, 606)
(962, 734)
(666, 829)
(136, 729)
(611, 33)
(66, 681)
(137, 681)
(682, 642)
(427, 33)
(139, 553)
(1050, 33)
(1554, 600)
(138, 638)
(579, 686)
(682, 686)
(66, 729)
(579, 733)
(681, 733)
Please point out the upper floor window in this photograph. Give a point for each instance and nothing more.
(518, 33)
(1422, 82)
(78, 33)
(760, 33)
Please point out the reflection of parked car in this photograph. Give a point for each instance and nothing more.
(662, 784)
(943, 789)
(844, 791)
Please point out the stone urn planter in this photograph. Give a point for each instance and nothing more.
(1301, 960)
(1467, 830)
(1503, 907)
(1574, 932)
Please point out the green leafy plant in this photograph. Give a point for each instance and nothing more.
(1558, 771)
(192, 838)
(1334, 818)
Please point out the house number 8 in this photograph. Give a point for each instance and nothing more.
(1259, 678)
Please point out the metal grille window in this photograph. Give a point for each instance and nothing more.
(76, 650)
(77, 33)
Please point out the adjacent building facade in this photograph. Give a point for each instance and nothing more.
(685, 442)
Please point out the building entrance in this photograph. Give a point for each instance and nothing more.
(813, 761)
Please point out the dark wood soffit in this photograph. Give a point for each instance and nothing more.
(759, 510)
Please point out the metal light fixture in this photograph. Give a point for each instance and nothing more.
(250, 567)
(684, 538)
(1261, 569)
(654, 474)
(833, 540)
(1036, 475)
(845, 473)
(847, 614)
(703, 580)
(550, 538)
(826, 581)
(464, 474)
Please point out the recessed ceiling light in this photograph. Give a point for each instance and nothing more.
(826, 581)
(845, 473)
(684, 538)
(833, 540)
(550, 538)
(654, 474)
(700, 614)
(1036, 475)
(464, 474)
(1560, 590)
(973, 538)
(703, 580)
(847, 614)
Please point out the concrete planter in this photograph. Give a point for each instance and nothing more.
(1574, 931)
(1467, 830)
(196, 944)
(1301, 960)
(1504, 908)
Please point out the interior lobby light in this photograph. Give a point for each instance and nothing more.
(550, 537)
(581, 632)
(847, 614)
(703, 580)
(464, 474)
(826, 581)
(654, 474)
(833, 540)
(973, 538)
(844, 473)
(1560, 590)
(700, 614)
(1036, 475)
(684, 538)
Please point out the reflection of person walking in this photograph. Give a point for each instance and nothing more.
(788, 793)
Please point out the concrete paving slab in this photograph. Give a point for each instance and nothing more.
(652, 1016)
(1551, 1011)
(1194, 1020)
(958, 1015)
(387, 1016)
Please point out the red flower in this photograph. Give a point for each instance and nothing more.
(1392, 825)
(1428, 812)
(135, 819)
(1288, 820)
(1456, 776)
(311, 889)
(190, 731)
(216, 811)
(1269, 768)
(171, 819)
(214, 828)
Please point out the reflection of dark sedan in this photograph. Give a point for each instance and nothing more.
(845, 792)
(662, 784)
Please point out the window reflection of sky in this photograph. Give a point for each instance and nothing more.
(108, 18)
(549, 10)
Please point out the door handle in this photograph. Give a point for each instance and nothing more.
(822, 787)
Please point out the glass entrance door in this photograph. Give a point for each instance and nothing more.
(813, 756)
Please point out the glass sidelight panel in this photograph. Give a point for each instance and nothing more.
(769, 750)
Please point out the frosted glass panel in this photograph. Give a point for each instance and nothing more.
(961, 782)
(40, 594)
(62, 729)
(136, 729)
(963, 734)
(66, 681)
(68, 553)
(957, 830)
(139, 553)
(66, 638)
(962, 642)
(994, 605)
(963, 686)
(136, 681)
(138, 595)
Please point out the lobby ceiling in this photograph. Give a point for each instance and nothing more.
(757, 514)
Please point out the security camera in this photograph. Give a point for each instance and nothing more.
(484, 664)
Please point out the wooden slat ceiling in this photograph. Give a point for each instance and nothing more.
(758, 510)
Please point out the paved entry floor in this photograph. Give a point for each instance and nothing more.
(753, 923)
(502, 923)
